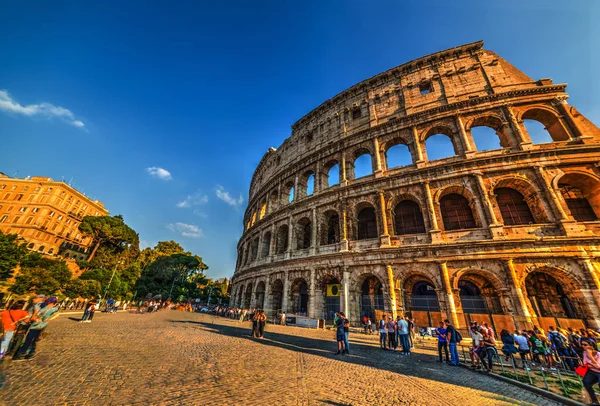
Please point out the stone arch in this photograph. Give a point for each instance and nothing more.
(303, 233)
(248, 296)
(440, 130)
(254, 249)
(330, 227)
(273, 199)
(331, 174)
(263, 209)
(328, 299)
(420, 292)
(549, 118)
(259, 295)
(266, 245)
(277, 295)
(357, 154)
(495, 122)
(407, 215)
(371, 291)
(31, 246)
(555, 292)
(239, 301)
(306, 184)
(394, 156)
(581, 194)
(282, 239)
(460, 217)
(531, 193)
(365, 221)
(299, 296)
(288, 193)
(483, 296)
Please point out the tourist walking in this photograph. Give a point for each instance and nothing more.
(391, 333)
(262, 320)
(87, 313)
(10, 319)
(404, 334)
(475, 350)
(508, 345)
(453, 337)
(591, 359)
(40, 322)
(346, 332)
(442, 342)
(382, 333)
(523, 346)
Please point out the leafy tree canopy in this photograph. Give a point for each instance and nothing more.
(110, 231)
(41, 275)
(12, 250)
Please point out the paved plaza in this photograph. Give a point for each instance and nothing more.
(176, 358)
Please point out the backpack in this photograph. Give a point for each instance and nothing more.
(458, 336)
(558, 341)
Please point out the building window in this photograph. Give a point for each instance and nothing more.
(3, 219)
(51, 250)
(35, 209)
(16, 219)
(2, 187)
(23, 209)
(408, 218)
(456, 212)
(356, 114)
(578, 204)
(41, 249)
(49, 190)
(60, 217)
(425, 88)
(37, 189)
(6, 196)
(51, 214)
(62, 194)
(14, 187)
(367, 224)
(513, 207)
(29, 220)
(19, 196)
(26, 188)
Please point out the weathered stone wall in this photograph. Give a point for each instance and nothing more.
(294, 249)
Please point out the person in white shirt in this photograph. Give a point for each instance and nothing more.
(473, 352)
(523, 346)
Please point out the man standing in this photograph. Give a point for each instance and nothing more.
(391, 333)
(403, 333)
(452, 337)
(382, 333)
(339, 333)
(442, 342)
(40, 322)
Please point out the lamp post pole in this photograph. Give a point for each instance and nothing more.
(110, 281)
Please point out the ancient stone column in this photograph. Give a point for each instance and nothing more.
(465, 139)
(313, 232)
(344, 242)
(343, 180)
(449, 294)
(311, 297)
(551, 194)
(385, 236)
(267, 302)
(523, 139)
(253, 296)
(418, 147)
(434, 232)
(286, 293)
(317, 180)
(510, 267)
(390, 274)
(296, 181)
(278, 203)
(496, 229)
(291, 231)
(561, 104)
(346, 292)
(589, 267)
(378, 171)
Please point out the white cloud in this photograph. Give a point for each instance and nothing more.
(226, 197)
(160, 173)
(8, 104)
(186, 230)
(199, 213)
(193, 200)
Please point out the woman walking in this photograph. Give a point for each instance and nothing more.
(10, 318)
(262, 320)
(591, 358)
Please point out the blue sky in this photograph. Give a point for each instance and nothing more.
(202, 89)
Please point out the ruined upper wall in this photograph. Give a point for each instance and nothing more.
(439, 79)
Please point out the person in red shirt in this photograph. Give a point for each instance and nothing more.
(10, 318)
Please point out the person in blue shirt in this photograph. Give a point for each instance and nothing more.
(442, 342)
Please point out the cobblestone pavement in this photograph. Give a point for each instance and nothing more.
(176, 358)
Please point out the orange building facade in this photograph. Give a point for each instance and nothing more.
(47, 214)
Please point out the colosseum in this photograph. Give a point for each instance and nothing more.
(477, 198)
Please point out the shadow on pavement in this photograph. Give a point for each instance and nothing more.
(418, 365)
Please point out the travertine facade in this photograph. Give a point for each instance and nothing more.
(510, 233)
(47, 213)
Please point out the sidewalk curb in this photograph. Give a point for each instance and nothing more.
(541, 392)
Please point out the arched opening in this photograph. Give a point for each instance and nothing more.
(331, 228)
(513, 207)
(254, 249)
(291, 195)
(300, 297)
(333, 175)
(260, 295)
(478, 295)
(424, 297)
(408, 218)
(240, 297)
(439, 146)
(263, 210)
(266, 245)
(485, 138)
(371, 298)
(363, 165)
(31, 245)
(282, 239)
(331, 291)
(273, 201)
(544, 126)
(456, 212)
(398, 155)
(367, 223)
(277, 292)
(51, 250)
(548, 298)
(248, 296)
(310, 185)
(287, 193)
(41, 249)
(303, 233)
(582, 196)
(306, 184)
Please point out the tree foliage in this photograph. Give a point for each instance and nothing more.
(177, 274)
(41, 275)
(12, 250)
(110, 232)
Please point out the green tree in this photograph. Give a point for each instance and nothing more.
(110, 231)
(174, 274)
(12, 250)
(82, 288)
(41, 275)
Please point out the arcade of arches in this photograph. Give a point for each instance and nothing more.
(543, 294)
